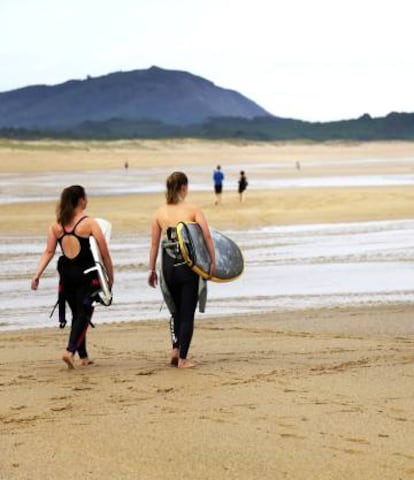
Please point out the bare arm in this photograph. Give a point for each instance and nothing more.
(103, 248)
(45, 258)
(202, 221)
(153, 254)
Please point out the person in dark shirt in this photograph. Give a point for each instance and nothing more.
(242, 185)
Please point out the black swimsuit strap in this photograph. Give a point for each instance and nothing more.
(74, 228)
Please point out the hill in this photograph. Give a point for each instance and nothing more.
(159, 103)
(167, 96)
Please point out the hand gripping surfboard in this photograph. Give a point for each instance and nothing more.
(105, 293)
(229, 258)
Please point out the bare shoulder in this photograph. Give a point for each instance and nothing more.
(88, 226)
(90, 221)
(160, 212)
(92, 226)
(193, 208)
(56, 229)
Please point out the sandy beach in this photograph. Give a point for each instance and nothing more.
(316, 394)
(306, 394)
(132, 213)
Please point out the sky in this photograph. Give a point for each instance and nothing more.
(316, 60)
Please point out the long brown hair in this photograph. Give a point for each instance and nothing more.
(174, 183)
(69, 200)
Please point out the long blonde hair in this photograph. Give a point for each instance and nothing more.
(69, 200)
(174, 183)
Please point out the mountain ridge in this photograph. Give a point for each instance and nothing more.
(170, 96)
(160, 103)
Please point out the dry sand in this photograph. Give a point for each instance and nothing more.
(316, 394)
(305, 395)
(17, 156)
(133, 213)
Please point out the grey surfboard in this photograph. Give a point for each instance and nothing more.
(229, 258)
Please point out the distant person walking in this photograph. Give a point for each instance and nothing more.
(218, 177)
(242, 185)
(126, 166)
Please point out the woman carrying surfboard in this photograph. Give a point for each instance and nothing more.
(72, 231)
(180, 280)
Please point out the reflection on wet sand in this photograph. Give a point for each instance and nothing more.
(287, 268)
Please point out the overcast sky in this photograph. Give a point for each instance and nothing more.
(314, 60)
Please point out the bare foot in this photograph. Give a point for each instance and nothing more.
(68, 359)
(174, 357)
(184, 363)
(84, 362)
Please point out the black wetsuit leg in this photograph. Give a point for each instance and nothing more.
(80, 321)
(83, 354)
(182, 283)
(76, 290)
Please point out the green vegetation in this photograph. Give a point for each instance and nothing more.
(395, 126)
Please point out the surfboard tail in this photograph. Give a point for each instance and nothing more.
(104, 294)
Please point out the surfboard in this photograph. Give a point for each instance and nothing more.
(104, 293)
(229, 258)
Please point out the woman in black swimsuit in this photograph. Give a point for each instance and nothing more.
(72, 231)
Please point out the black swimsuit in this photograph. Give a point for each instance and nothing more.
(83, 260)
(77, 288)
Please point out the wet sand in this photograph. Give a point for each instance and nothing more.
(132, 213)
(324, 394)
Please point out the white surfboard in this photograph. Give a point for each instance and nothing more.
(105, 293)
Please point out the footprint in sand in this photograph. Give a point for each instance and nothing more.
(62, 408)
(292, 435)
(357, 440)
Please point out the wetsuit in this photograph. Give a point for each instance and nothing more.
(182, 284)
(77, 288)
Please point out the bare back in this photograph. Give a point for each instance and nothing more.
(170, 214)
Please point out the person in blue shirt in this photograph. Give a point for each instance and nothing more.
(218, 177)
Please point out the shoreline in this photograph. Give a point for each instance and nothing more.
(287, 318)
(288, 268)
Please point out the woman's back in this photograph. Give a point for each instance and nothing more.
(171, 214)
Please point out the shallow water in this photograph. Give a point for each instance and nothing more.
(47, 186)
(287, 268)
